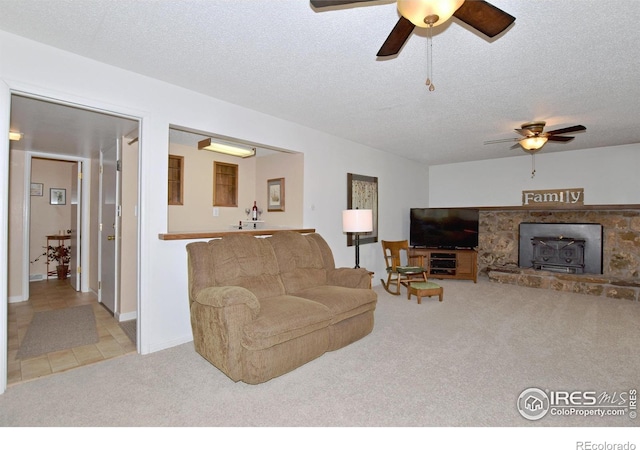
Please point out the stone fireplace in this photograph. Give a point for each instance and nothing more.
(499, 256)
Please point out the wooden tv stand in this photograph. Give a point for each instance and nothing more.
(446, 263)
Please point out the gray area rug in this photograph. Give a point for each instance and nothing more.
(59, 329)
(129, 327)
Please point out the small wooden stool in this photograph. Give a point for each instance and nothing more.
(421, 289)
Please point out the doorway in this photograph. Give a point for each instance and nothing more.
(52, 129)
(54, 219)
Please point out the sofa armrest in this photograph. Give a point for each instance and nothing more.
(223, 296)
(218, 317)
(349, 277)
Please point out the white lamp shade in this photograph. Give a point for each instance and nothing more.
(357, 220)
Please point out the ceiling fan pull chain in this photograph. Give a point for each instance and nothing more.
(430, 59)
(533, 165)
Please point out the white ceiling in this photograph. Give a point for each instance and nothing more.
(567, 62)
(61, 129)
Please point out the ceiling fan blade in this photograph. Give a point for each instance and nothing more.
(484, 17)
(572, 129)
(327, 3)
(560, 138)
(396, 38)
(500, 141)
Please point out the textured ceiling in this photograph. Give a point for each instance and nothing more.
(567, 62)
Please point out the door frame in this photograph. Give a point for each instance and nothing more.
(8, 88)
(116, 230)
(5, 120)
(84, 186)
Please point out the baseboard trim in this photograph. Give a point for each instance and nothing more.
(127, 316)
(167, 344)
(17, 299)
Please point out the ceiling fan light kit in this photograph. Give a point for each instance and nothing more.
(533, 144)
(425, 13)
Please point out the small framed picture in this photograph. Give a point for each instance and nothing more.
(37, 189)
(57, 196)
(275, 191)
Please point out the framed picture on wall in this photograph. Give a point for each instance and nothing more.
(57, 196)
(37, 189)
(275, 192)
(362, 193)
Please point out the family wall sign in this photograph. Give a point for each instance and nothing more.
(553, 197)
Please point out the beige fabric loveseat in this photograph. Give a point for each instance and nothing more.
(260, 307)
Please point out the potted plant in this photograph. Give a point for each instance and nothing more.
(61, 254)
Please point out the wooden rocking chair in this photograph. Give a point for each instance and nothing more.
(401, 268)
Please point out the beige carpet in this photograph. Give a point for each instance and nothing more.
(59, 329)
(462, 362)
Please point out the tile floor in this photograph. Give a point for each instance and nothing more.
(56, 294)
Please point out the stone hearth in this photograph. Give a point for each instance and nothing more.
(498, 251)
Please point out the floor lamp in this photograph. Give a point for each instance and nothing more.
(357, 221)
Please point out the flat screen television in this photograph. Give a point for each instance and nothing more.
(447, 228)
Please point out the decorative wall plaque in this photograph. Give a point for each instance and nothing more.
(554, 197)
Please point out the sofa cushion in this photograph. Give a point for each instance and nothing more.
(284, 318)
(325, 251)
(300, 261)
(246, 261)
(343, 302)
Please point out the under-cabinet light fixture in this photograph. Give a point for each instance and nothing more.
(228, 149)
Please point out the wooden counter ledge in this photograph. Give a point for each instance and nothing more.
(219, 234)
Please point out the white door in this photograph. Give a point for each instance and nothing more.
(76, 223)
(109, 228)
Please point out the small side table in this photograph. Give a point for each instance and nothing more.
(62, 238)
(421, 289)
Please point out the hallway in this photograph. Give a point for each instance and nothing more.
(57, 294)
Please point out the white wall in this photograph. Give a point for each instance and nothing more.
(609, 176)
(164, 318)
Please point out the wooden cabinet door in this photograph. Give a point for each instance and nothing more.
(465, 263)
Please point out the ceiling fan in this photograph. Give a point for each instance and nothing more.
(478, 14)
(534, 137)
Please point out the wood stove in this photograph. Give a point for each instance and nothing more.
(558, 254)
(561, 247)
